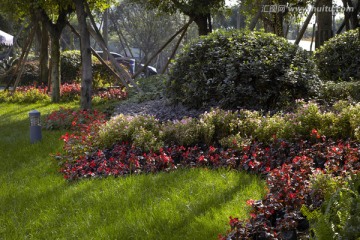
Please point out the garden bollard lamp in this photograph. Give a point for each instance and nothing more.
(35, 127)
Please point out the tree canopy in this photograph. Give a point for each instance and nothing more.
(199, 10)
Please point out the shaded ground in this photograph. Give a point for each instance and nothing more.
(159, 108)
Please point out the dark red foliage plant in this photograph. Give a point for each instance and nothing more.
(286, 166)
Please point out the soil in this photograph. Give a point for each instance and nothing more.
(160, 108)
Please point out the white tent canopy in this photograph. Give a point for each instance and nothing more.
(6, 39)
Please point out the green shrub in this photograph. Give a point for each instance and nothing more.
(143, 131)
(70, 65)
(71, 70)
(218, 124)
(31, 95)
(338, 218)
(246, 69)
(153, 88)
(186, 132)
(335, 91)
(338, 59)
(29, 76)
(235, 129)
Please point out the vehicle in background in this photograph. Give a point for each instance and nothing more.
(131, 64)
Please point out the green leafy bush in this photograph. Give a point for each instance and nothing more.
(236, 129)
(143, 131)
(186, 132)
(242, 69)
(71, 65)
(153, 88)
(24, 95)
(338, 59)
(29, 76)
(335, 91)
(338, 217)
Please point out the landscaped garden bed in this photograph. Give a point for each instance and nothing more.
(289, 156)
(307, 151)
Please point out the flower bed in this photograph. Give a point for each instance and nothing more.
(287, 165)
(68, 92)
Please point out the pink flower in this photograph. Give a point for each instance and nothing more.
(250, 202)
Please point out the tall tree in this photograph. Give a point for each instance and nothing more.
(86, 77)
(146, 30)
(324, 22)
(273, 13)
(199, 10)
(55, 27)
(54, 15)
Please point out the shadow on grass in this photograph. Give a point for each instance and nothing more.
(123, 208)
(38, 203)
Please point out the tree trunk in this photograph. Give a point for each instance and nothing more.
(324, 20)
(306, 23)
(354, 19)
(105, 31)
(202, 24)
(55, 67)
(44, 55)
(86, 76)
(256, 18)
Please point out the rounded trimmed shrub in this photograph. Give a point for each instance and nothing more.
(339, 58)
(242, 69)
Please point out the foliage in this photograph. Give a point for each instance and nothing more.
(111, 93)
(153, 88)
(338, 217)
(338, 57)
(138, 23)
(186, 204)
(242, 69)
(71, 61)
(29, 75)
(71, 119)
(286, 165)
(70, 91)
(7, 64)
(29, 94)
(235, 129)
(143, 131)
(335, 91)
(192, 7)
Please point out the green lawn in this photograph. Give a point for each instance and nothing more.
(37, 203)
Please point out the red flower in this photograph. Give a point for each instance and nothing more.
(233, 222)
(251, 164)
(92, 164)
(65, 137)
(314, 133)
(292, 195)
(99, 153)
(165, 158)
(201, 159)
